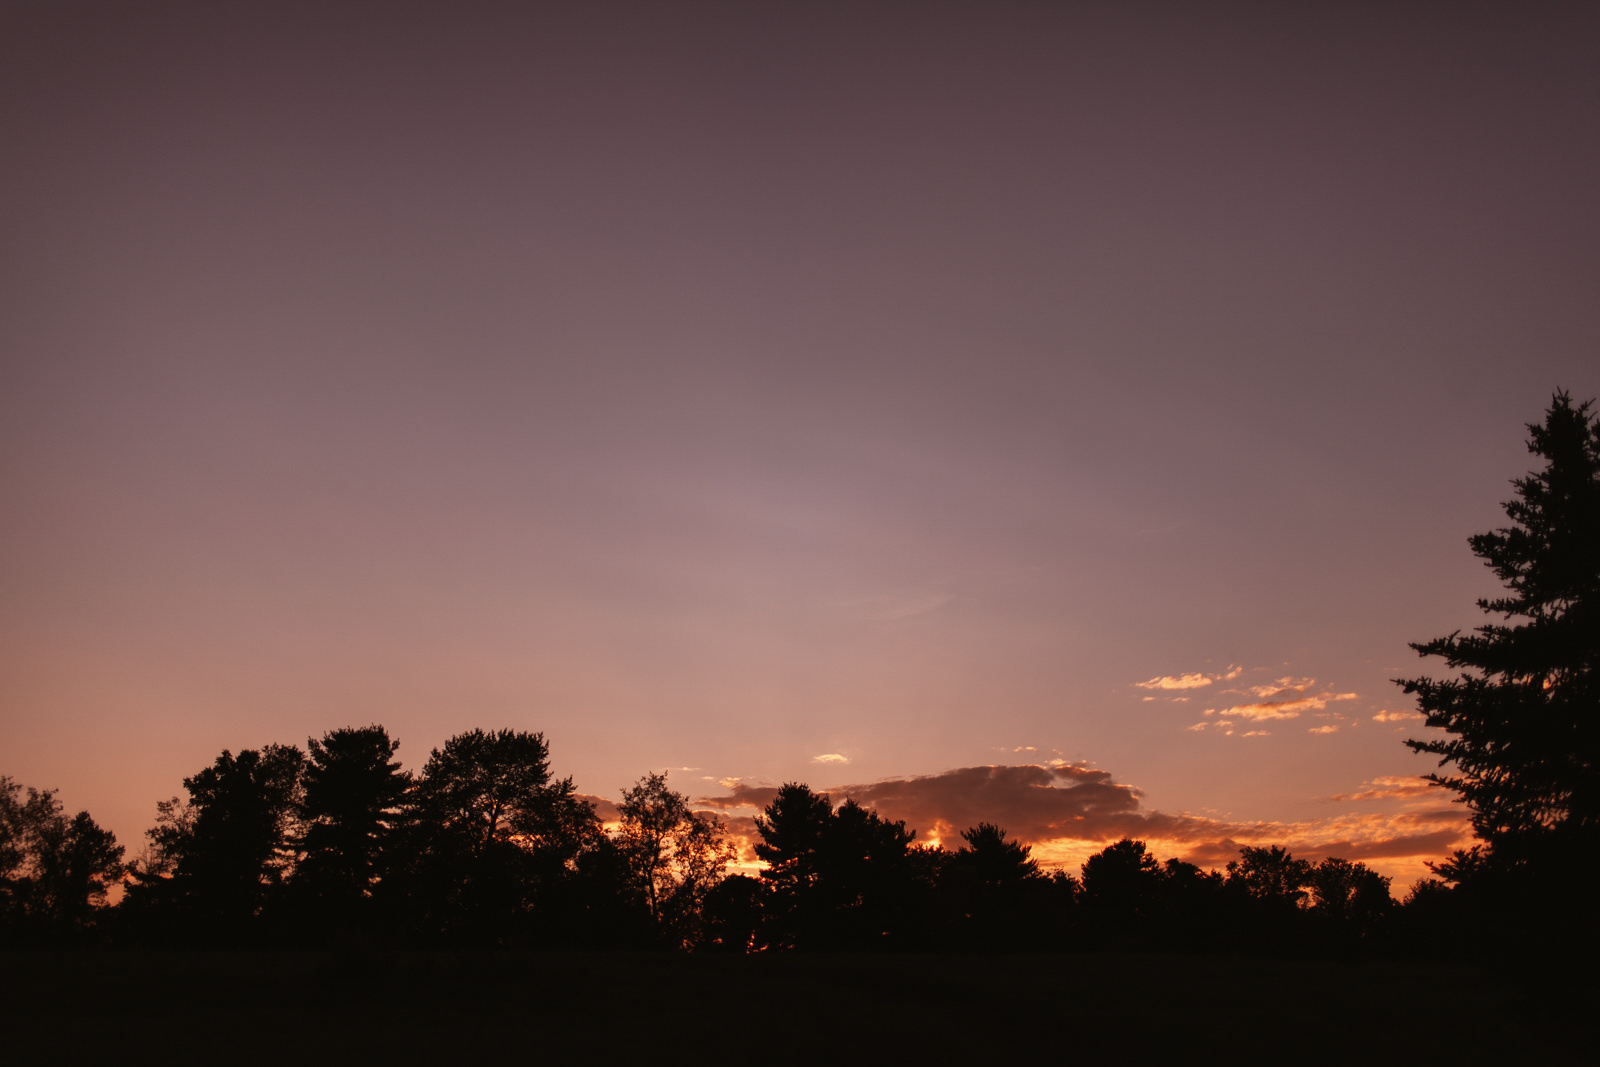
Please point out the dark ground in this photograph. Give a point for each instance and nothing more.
(126, 1006)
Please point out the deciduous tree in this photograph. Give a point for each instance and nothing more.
(677, 856)
(218, 857)
(493, 833)
(54, 870)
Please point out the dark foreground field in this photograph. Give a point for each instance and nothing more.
(113, 1007)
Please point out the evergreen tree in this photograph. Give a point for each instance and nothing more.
(840, 878)
(1122, 880)
(793, 829)
(1524, 717)
(993, 894)
(868, 877)
(353, 797)
(990, 860)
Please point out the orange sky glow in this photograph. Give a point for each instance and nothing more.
(1039, 414)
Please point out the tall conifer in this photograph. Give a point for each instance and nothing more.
(1523, 718)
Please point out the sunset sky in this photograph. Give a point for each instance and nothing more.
(1056, 414)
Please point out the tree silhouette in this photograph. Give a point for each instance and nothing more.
(15, 819)
(1524, 718)
(1122, 878)
(491, 832)
(994, 892)
(990, 860)
(867, 876)
(731, 914)
(353, 798)
(793, 829)
(485, 786)
(677, 856)
(54, 871)
(218, 858)
(845, 878)
(1352, 896)
(1270, 875)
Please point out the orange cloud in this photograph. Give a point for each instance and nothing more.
(742, 835)
(1280, 687)
(1285, 709)
(1180, 681)
(1397, 716)
(1392, 786)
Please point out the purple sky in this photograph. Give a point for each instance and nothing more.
(722, 387)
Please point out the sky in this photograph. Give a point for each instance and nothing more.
(1056, 414)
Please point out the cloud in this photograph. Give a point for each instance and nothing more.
(1281, 687)
(741, 833)
(1398, 716)
(740, 796)
(1329, 729)
(1181, 681)
(606, 809)
(1284, 709)
(1197, 680)
(1069, 811)
(830, 757)
(1392, 786)
(1377, 838)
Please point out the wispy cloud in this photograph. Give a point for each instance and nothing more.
(1386, 788)
(1177, 681)
(830, 757)
(1285, 698)
(1196, 680)
(1328, 729)
(1280, 687)
(1398, 716)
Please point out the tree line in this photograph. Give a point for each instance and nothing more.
(337, 844)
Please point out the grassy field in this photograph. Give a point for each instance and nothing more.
(614, 1008)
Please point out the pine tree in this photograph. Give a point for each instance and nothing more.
(352, 801)
(1524, 717)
